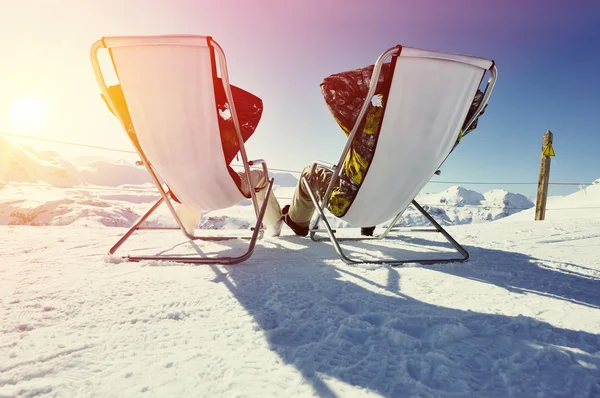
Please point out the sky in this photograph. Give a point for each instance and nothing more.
(547, 53)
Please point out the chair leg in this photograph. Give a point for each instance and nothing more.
(195, 259)
(135, 226)
(438, 227)
(331, 233)
(391, 225)
(336, 241)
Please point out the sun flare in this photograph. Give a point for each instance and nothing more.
(28, 115)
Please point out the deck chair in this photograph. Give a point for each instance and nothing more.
(428, 102)
(168, 86)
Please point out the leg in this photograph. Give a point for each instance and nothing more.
(189, 216)
(259, 180)
(302, 208)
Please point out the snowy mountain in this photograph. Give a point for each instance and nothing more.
(458, 205)
(24, 205)
(21, 163)
(25, 164)
(118, 192)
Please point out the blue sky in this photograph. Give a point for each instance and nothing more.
(547, 54)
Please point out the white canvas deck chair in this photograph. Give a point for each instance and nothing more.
(168, 86)
(429, 98)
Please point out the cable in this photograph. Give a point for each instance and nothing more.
(66, 143)
(80, 187)
(270, 168)
(286, 198)
(296, 171)
(507, 183)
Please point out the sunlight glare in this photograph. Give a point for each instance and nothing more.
(28, 115)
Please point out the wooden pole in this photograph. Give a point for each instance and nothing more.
(542, 193)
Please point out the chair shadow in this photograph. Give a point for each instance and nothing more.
(332, 322)
(520, 273)
(515, 272)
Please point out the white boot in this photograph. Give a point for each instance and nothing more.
(274, 230)
(189, 216)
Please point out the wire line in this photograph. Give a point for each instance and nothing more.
(294, 171)
(94, 188)
(66, 143)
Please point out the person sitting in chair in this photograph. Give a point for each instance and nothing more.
(249, 111)
(344, 94)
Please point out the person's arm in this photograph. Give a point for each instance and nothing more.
(249, 110)
(248, 106)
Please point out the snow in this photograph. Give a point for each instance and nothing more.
(521, 318)
(582, 204)
(116, 193)
(121, 205)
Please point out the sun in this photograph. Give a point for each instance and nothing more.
(28, 115)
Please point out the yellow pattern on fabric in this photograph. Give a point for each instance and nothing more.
(460, 135)
(355, 165)
(338, 203)
(344, 128)
(373, 120)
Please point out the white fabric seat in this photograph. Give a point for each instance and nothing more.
(429, 98)
(176, 121)
(168, 86)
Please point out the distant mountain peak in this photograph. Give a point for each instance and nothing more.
(459, 196)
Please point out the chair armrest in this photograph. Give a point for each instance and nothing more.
(262, 163)
(255, 162)
(322, 164)
(325, 165)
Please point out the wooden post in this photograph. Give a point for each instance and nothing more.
(542, 193)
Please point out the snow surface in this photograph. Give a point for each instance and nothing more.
(520, 319)
(582, 204)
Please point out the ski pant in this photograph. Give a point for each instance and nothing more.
(261, 183)
(302, 207)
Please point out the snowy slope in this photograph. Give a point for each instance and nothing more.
(520, 319)
(582, 204)
(25, 164)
